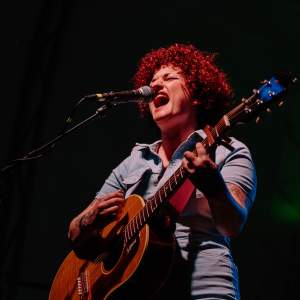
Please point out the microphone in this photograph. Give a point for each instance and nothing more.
(144, 93)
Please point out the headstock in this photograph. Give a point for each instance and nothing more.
(272, 91)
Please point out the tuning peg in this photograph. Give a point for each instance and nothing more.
(280, 103)
(266, 82)
(269, 110)
(258, 120)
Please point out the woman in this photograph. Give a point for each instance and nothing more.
(190, 92)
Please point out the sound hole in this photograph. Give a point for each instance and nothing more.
(114, 253)
(120, 253)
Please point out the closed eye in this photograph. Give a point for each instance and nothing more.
(170, 78)
(165, 79)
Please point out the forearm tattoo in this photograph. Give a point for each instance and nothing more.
(87, 220)
(237, 193)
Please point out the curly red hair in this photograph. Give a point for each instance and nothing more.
(207, 83)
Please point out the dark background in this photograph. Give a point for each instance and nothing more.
(54, 52)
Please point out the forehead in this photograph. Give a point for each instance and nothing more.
(164, 70)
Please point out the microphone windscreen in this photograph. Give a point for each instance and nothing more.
(146, 91)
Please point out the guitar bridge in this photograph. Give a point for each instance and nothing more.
(82, 285)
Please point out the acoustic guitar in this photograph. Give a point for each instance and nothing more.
(137, 257)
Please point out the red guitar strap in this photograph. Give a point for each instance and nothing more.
(180, 198)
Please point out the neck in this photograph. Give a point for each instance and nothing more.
(171, 139)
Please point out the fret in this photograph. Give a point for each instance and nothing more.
(135, 225)
(217, 133)
(181, 174)
(143, 214)
(156, 203)
(138, 225)
(160, 199)
(170, 184)
(226, 121)
(151, 205)
(149, 202)
(146, 210)
(140, 221)
(126, 234)
(130, 230)
(175, 177)
(164, 188)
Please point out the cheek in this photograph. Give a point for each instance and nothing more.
(182, 94)
(183, 102)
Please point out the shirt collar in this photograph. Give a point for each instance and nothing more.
(190, 141)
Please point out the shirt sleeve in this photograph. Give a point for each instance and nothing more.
(239, 169)
(115, 180)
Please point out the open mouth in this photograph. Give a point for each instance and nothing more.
(160, 100)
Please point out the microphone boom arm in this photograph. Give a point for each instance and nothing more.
(40, 151)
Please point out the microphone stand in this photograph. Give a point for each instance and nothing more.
(38, 153)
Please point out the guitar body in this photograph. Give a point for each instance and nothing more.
(122, 270)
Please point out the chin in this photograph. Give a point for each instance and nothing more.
(161, 117)
(165, 122)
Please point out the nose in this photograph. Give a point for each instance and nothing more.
(157, 85)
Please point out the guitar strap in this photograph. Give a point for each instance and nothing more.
(180, 198)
